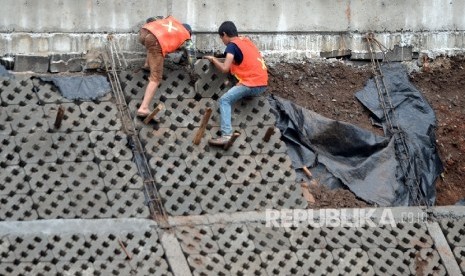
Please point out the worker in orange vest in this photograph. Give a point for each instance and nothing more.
(244, 61)
(161, 37)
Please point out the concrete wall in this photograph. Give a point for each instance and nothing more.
(282, 28)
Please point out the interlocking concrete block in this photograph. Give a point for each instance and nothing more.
(215, 199)
(341, 237)
(29, 268)
(180, 201)
(287, 195)
(317, 262)
(179, 112)
(31, 248)
(73, 147)
(73, 119)
(6, 250)
(176, 85)
(202, 170)
(169, 172)
(454, 230)
(112, 145)
(18, 92)
(284, 262)
(232, 237)
(5, 122)
(26, 119)
(196, 240)
(211, 264)
(276, 168)
(459, 253)
(54, 205)
(307, 237)
(134, 84)
(70, 246)
(101, 116)
(16, 207)
(91, 204)
(46, 177)
(130, 203)
(82, 176)
(13, 181)
(36, 147)
(34, 63)
(83, 267)
(425, 261)
(240, 170)
(244, 263)
(353, 261)
(388, 261)
(412, 235)
(121, 175)
(377, 237)
(253, 197)
(268, 238)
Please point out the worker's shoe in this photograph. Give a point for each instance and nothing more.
(220, 141)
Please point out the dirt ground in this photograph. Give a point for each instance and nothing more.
(328, 88)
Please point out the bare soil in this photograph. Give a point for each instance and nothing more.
(329, 88)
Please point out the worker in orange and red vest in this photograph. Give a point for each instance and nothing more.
(161, 37)
(245, 62)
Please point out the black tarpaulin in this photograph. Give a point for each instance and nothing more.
(343, 155)
(80, 87)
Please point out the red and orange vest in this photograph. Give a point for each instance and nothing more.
(170, 33)
(252, 71)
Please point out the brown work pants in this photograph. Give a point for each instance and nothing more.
(155, 58)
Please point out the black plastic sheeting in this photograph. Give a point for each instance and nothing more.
(342, 155)
(80, 87)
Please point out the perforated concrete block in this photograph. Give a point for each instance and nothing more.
(181, 200)
(454, 230)
(16, 207)
(82, 176)
(352, 261)
(26, 119)
(36, 147)
(53, 205)
(101, 116)
(197, 240)
(112, 145)
(130, 203)
(13, 181)
(121, 175)
(9, 152)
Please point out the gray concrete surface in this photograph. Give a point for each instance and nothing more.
(282, 29)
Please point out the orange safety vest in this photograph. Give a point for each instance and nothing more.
(252, 71)
(170, 33)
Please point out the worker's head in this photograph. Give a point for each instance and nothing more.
(227, 28)
(188, 28)
(153, 18)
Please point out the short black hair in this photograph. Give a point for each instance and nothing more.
(228, 28)
(188, 28)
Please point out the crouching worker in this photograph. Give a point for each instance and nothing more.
(161, 37)
(245, 62)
